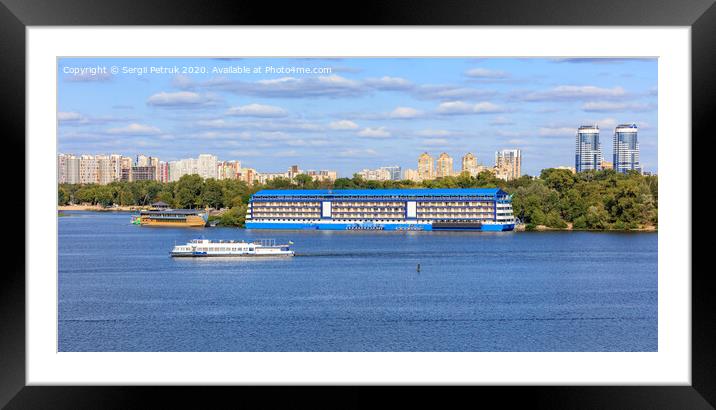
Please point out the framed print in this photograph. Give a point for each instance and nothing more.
(460, 202)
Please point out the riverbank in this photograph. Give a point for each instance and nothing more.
(99, 208)
(570, 227)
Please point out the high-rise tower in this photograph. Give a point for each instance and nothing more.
(626, 148)
(588, 149)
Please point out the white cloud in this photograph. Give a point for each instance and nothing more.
(405, 112)
(70, 117)
(436, 141)
(463, 108)
(608, 106)
(433, 133)
(558, 131)
(389, 83)
(604, 123)
(218, 123)
(262, 125)
(300, 142)
(343, 125)
(179, 99)
(337, 80)
(358, 153)
(245, 153)
(500, 120)
(449, 92)
(511, 133)
(379, 132)
(485, 73)
(258, 110)
(575, 92)
(135, 129)
(291, 87)
(285, 154)
(182, 81)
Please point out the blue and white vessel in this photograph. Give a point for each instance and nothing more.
(205, 248)
(475, 209)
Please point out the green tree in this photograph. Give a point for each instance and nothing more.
(235, 216)
(188, 191)
(580, 223)
(488, 179)
(303, 180)
(597, 218)
(212, 194)
(279, 183)
(61, 197)
(344, 183)
(464, 180)
(554, 220)
(103, 195)
(86, 194)
(558, 179)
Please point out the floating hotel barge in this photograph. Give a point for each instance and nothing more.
(480, 209)
(161, 215)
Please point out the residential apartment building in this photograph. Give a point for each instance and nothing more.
(228, 169)
(426, 166)
(445, 166)
(470, 165)
(378, 174)
(508, 164)
(206, 166)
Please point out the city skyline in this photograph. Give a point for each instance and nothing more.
(366, 113)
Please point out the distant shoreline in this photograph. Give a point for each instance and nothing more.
(99, 208)
(569, 228)
(518, 228)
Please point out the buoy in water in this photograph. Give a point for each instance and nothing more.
(418, 269)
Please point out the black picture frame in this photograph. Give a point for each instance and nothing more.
(16, 15)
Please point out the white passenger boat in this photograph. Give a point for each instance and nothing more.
(206, 247)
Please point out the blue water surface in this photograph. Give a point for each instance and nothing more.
(119, 290)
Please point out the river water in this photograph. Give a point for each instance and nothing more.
(355, 291)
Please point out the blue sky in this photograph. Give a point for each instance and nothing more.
(364, 113)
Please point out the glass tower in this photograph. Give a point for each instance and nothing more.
(589, 150)
(626, 148)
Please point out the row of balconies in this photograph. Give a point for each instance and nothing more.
(438, 215)
(471, 203)
(368, 216)
(279, 209)
(285, 212)
(367, 203)
(369, 209)
(374, 203)
(458, 210)
(286, 215)
(282, 204)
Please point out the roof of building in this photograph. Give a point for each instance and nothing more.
(380, 192)
(171, 211)
(160, 203)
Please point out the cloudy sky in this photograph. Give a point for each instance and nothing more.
(352, 113)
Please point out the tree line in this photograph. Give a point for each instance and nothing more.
(587, 200)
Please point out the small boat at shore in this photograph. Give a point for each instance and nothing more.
(206, 248)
